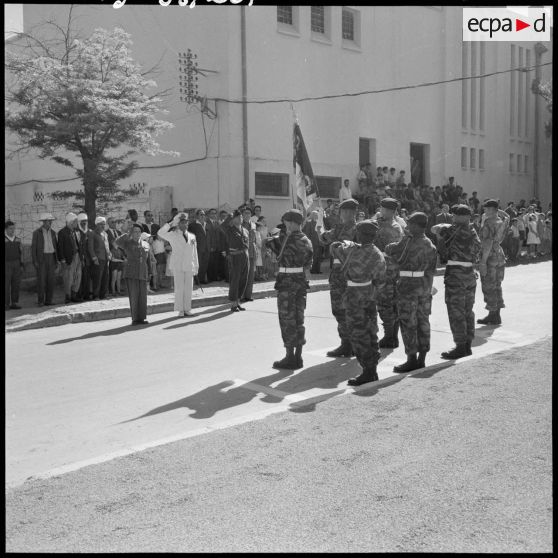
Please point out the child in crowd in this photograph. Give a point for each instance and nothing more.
(118, 258)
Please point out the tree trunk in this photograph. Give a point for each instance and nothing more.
(90, 189)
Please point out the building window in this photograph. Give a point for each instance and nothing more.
(328, 186)
(481, 159)
(518, 166)
(474, 85)
(510, 167)
(272, 184)
(520, 77)
(473, 158)
(482, 94)
(317, 17)
(526, 163)
(285, 15)
(348, 25)
(463, 157)
(464, 73)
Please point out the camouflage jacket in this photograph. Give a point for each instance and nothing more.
(414, 253)
(389, 231)
(297, 250)
(361, 262)
(459, 243)
(339, 232)
(492, 233)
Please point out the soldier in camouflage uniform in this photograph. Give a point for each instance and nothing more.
(389, 231)
(415, 256)
(493, 261)
(294, 253)
(459, 247)
(345, 230)
(364, 268)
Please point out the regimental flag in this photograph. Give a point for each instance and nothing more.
(306, 186)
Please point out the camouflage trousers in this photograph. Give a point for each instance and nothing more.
(492, 286)
(387, 305)
(291, 303)
(362, 323)
(337, 287)
(414, 311)
(460, 286)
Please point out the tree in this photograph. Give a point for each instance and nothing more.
(545, 91)
(73, 98)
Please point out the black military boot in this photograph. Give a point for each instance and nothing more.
(289, 362)
(459, 351)
(411, 364)
(368, 374)
(344, 350)
(493, 318)
(468, 347)
(390, 340)
(420, 359)
(298, 356)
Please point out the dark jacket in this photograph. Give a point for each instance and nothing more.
(201, 236)
(96, 246)
(137, 257)
(83, 252)
(38, 246)
(212, 231)
(154, 228)
(66, 246)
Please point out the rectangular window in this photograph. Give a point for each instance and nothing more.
(520, 77)
(512, 92)
(272, 184)
(285, 15)
(473, 83)
(527, 91)
(482, 94)
(518, 165)
(328, 186)
(317, 19)
(481, 159)
(510, 166)
(463, 157)
(464, 85)
(526, 163)
(473, 158)
(348, 25)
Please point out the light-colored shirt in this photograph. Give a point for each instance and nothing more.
(49, 248)
(107, 247)
(345, 193)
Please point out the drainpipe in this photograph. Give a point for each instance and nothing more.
(540, 49)
(244, 105)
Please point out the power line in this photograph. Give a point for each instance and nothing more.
(386, 90)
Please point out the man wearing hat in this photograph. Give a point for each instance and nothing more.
(345, 230)
(68, 254)
(389, 231)
(294, 253)
(184, 262)
(364, 268)
(415, 257)
(99, 253)
(44, 248)
(493, 261)
(459, 247)
(13, 266)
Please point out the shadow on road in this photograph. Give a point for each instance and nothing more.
(191, 320)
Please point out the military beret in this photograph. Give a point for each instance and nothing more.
(461, 209)
(419, 218)
(491, 203)
(293, 215)
(389, 203)
(367, 228)
(349, 204)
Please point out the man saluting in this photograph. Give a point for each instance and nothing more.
(294, 253)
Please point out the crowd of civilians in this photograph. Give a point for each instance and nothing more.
(94, 265)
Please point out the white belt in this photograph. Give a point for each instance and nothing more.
(335, 260)
(353, 284)
(465, 264)
(411, 273)
(291, 269)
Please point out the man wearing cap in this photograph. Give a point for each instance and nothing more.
(415, 257)
(388, 231)
(184, 262)
(294, 252)
(13, 265)
(44, 247)
(459, 247)
(493, 261)
(68, 255)
(345, 230)
(364, 268)
(99, 253)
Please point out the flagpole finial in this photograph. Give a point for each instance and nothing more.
(295, 115)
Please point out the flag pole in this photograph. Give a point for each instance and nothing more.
(295, 122)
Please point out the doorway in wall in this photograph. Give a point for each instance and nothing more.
(366, 152)
(420, 163)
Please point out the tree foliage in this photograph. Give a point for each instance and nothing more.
(75, 99)
(545, 91)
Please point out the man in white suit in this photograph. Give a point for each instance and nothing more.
(184, 261)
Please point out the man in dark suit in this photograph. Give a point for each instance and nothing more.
(149, 226)
(199, 229)
(99, 253)
(223, 264)
(445, 216)
(212, 227)
(112, 235)
(44, 249)
(82, 234)
(68, 255)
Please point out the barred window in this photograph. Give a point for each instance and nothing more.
(510, 167)
(328, 186)
(348, 25)
(526, 163)
(473, 158)
(285, 14)
(317, 17)
(272, 184)
(463, 157)
(481, 159)
(518, 166)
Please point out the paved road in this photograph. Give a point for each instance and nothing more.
(84, 393)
